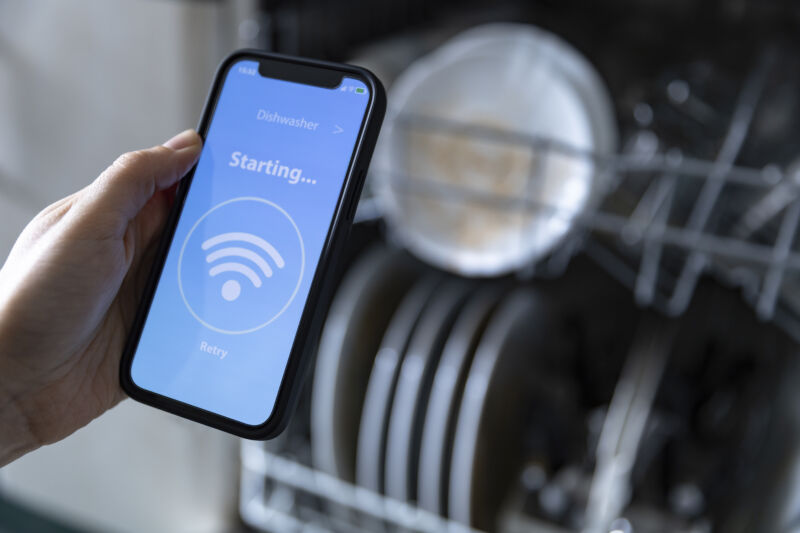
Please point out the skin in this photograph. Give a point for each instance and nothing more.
(69, 291)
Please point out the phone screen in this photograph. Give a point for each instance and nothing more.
(227, 306)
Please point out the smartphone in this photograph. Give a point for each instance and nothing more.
(238, 291)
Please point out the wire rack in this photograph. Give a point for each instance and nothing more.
(278, 509)
(665, 220)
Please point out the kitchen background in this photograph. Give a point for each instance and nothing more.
(570, 302)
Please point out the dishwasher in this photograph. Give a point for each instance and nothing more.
(570, 300)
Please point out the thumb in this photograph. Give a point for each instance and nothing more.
(123, 189)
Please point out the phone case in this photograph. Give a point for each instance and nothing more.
(320, 292)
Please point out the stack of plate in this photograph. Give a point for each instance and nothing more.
(422, 396)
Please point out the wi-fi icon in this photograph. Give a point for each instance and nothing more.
(231, 289)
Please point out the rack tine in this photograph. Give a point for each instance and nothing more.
(709, 194)
(645, 287)
(767, 207)
(624, 425)
(774, 276)
(645, 212)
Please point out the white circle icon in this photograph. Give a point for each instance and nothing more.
(231, 290)
(241, 265)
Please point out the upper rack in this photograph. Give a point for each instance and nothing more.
(664, 220)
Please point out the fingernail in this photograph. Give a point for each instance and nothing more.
(182, 140)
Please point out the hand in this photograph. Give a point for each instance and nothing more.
(69, 292)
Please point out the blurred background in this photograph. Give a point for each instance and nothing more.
(569, 303)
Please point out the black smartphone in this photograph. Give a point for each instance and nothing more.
(237, 293)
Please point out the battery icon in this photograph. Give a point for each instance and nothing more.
(360, 90)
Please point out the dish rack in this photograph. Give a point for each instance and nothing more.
(737, 223)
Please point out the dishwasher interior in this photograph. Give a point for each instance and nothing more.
(569, 301)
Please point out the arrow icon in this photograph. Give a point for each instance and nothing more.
(337, 129)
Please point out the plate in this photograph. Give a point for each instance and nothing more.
(446, 392)
(358, 316)
(488, 443)
(413, 388)
(462, 201)
(382, 381)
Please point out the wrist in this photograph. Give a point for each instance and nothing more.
(16, 437)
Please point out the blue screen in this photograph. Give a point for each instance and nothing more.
(238, 271)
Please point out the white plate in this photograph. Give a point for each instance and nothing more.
(382, 381)
(413, 388)
(507, 77)
(361, 309)
(446, 393)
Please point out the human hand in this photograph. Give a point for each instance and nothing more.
(69, 291)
